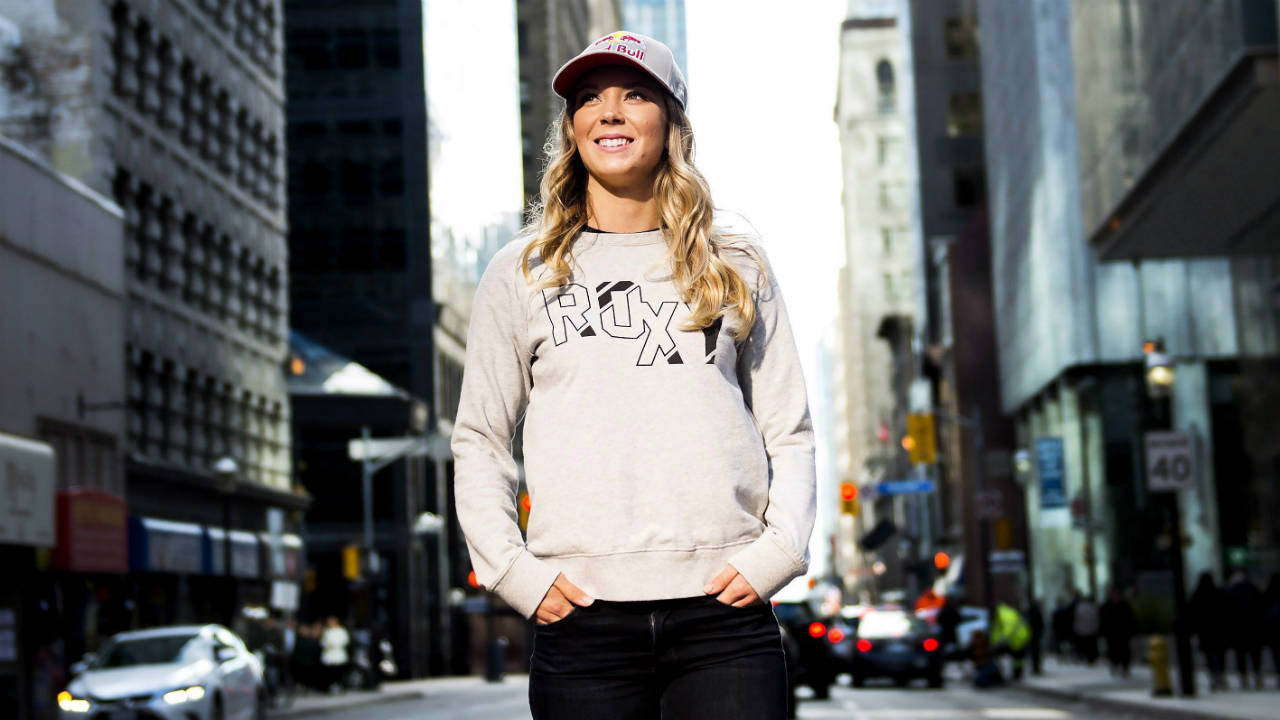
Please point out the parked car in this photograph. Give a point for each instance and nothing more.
(898, 645)
(185, 672)
(823, 645)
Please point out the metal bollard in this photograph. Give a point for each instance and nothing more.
(495, 666)
(1158, 658)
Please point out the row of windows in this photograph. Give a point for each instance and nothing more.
(151, 74)
(345, 48)
(185, 417)
(351, 249)
(252, 23)
(173, 250)
(85, 458)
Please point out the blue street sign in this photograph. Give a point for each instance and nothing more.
(1049, 467)
(905, 487)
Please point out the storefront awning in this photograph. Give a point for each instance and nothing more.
(246, 559)
(165, 546)
(26, 504)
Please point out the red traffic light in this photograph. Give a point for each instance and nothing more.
(930, 645)
(848, 491)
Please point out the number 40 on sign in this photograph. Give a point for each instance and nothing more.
(1170, 461)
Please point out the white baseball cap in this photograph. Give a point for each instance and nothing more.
(625, 48)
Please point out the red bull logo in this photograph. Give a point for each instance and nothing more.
(622, 42)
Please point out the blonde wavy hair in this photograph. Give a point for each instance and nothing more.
(697, 250)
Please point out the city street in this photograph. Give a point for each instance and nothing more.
(473, 699)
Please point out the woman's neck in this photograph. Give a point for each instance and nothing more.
(621, 211)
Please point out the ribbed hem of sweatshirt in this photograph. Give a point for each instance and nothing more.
(766, 566)
(526, 583)
(648, 575)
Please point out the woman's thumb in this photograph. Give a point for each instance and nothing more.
(573, 592)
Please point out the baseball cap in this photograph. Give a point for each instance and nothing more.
(625, 48)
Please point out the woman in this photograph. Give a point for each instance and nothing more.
(668, 451)
(1119, 625)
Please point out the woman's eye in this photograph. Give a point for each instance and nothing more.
(638, 94)
(586, 96)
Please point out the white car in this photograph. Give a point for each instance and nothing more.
(186, 672)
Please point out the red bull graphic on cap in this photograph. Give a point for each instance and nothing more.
(621, 42)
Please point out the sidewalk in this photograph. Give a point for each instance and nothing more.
(320, 704)
(1095, 685)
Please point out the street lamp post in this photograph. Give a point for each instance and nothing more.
(1159, 378)
(227, 472)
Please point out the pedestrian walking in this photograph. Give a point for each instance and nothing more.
(1064, 641)
(1118, 625)
(1085, 622)
(1208, 623)
(668, 450)
(948, 623)
(1245, 616)
(1271, 631)
(334, 657)
(1035, 620)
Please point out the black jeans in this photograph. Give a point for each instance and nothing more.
(685, 659)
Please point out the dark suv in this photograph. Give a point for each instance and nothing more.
(816, 645)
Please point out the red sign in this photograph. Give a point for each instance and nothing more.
(92, 532)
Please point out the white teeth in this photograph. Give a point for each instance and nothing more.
(613, 142)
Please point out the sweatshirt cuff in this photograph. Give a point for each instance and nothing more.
(526, 583)
(766, 566)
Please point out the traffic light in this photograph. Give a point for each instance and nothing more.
(848, 498)
(524, 506)
(351, 562)
(919, 443)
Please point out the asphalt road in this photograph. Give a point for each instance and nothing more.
(507, 701)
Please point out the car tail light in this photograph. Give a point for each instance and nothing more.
(817, 629)
(864, 645)
(930, 645)
(835, 635)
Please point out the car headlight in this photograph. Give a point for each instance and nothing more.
(177, 697)
(72, 704)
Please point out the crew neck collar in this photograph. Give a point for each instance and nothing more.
(647, 237)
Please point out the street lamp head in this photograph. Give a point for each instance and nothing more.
(227, 472)
(226, 465)
(1160, 374)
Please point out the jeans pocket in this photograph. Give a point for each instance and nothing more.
(573, 615)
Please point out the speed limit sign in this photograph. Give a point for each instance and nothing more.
(1170, 461)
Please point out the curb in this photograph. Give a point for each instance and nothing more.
(1113, 704)
(340, 706)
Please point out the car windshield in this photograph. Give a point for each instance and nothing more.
(155, 650)
(890, 625)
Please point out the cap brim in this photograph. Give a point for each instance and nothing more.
(569, 74)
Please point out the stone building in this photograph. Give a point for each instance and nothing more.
(175, 109)
(877, 284)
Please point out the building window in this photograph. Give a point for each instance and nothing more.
(964, 114)
(889, 151)
(887, 94)
(968, 186)
(888, 287)
(962, 39)
(892, 196)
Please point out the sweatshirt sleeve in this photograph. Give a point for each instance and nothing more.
(773, 388)
(495, 387)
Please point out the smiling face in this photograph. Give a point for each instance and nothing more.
(619, 123)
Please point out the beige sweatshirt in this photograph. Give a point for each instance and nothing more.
(653, 456)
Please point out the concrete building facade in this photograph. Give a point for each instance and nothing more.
(175, 109)
(62, 282)
(1071, 326)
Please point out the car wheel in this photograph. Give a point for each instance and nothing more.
(821, 691)
(901, 680)
(859, 681)
(935, 680)
(215, 709)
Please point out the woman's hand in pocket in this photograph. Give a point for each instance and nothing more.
(561, 600)
(730, 588)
